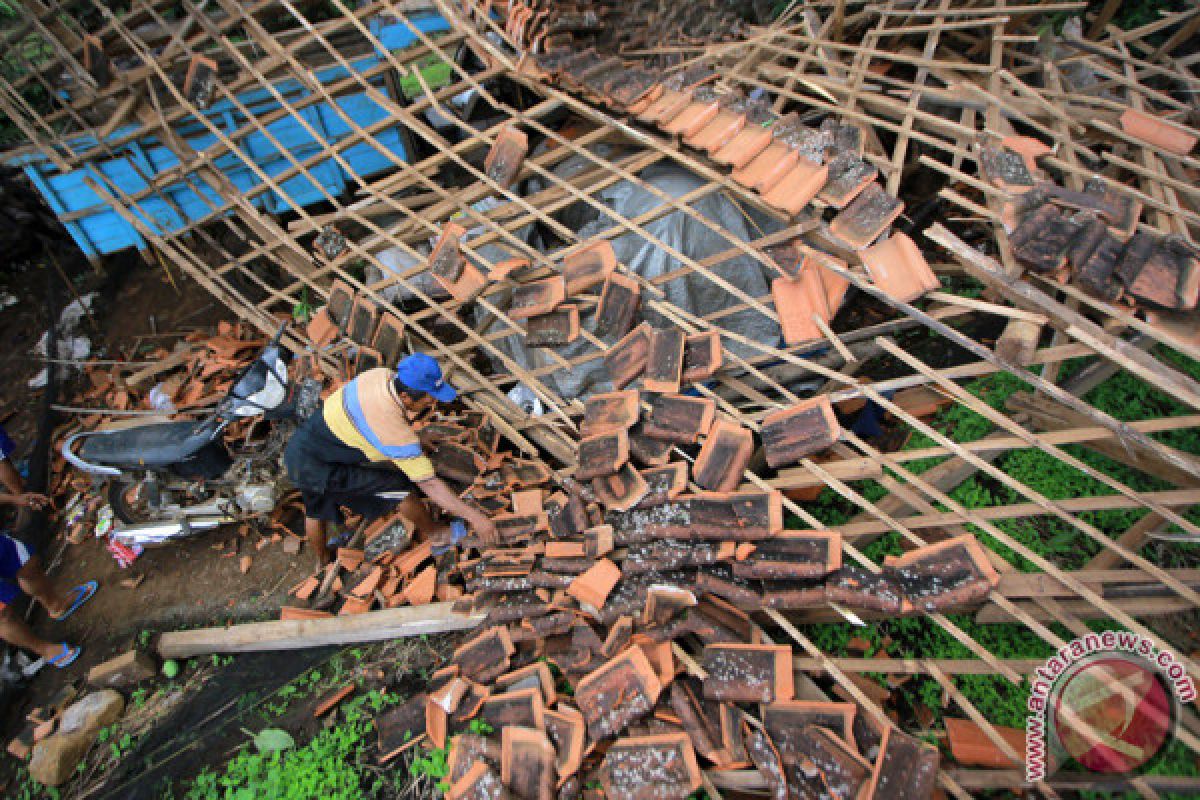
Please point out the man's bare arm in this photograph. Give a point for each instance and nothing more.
(444, 497)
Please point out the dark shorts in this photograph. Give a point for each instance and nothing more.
(14, 554)
(330, 476)
(357, 488)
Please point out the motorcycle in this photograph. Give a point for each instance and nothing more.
(168, 480)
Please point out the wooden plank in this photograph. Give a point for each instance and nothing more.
(373, 626)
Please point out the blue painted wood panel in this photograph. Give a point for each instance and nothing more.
(101, 229)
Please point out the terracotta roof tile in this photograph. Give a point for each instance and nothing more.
(503, 162)
(609, 412)
(479, 782)
(568, 733)
(678, 418)
(748, 673)
(626, 359)
(619, 303)
(702, 356)
(664, 363)
(866, 217)
(797, 188)
(971, 747)
(768, 168)
(537, 298)
(622, 490)
(527, 763)
(1168, 135)
(806, 428)
(898, 267)
(602, 454)
(624, 689)
(589, 266)
(651, 768)
(723, 458)
(592, 587)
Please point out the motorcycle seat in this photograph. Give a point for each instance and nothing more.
(157, 445)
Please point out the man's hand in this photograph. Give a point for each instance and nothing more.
(35, 501)
(484, 528)
(27, 500)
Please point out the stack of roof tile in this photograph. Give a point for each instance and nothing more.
(1089, 237)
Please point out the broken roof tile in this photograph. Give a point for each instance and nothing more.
(740, 516)
(503, 162)
(364, 315)
(839, 770)
(609, 412)
(663, 483)
(1006, 168)
(1168, 277)
(805, 429)
(589, 266)
(622, 690)
(748, 673)
(793, 555)
(866, 217)
(857, 588)
(401, 728)
(723, 458)
(592, 587)
(522, 707)
(1043, 238)
(767, 760)
(619, 302)
(486, 655)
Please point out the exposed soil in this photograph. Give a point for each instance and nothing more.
(185, 585)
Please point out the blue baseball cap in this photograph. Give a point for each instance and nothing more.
(421, 373)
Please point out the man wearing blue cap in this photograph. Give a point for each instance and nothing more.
(361, 453)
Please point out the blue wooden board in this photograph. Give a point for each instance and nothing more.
(102, 230)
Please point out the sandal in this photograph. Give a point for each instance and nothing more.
(83, 593)
(66, 658)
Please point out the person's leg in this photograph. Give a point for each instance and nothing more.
(37, 584)
(317, 531)
(14, 631)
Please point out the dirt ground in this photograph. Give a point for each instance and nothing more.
(186, 585)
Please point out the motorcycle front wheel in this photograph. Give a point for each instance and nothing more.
(126, 499)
